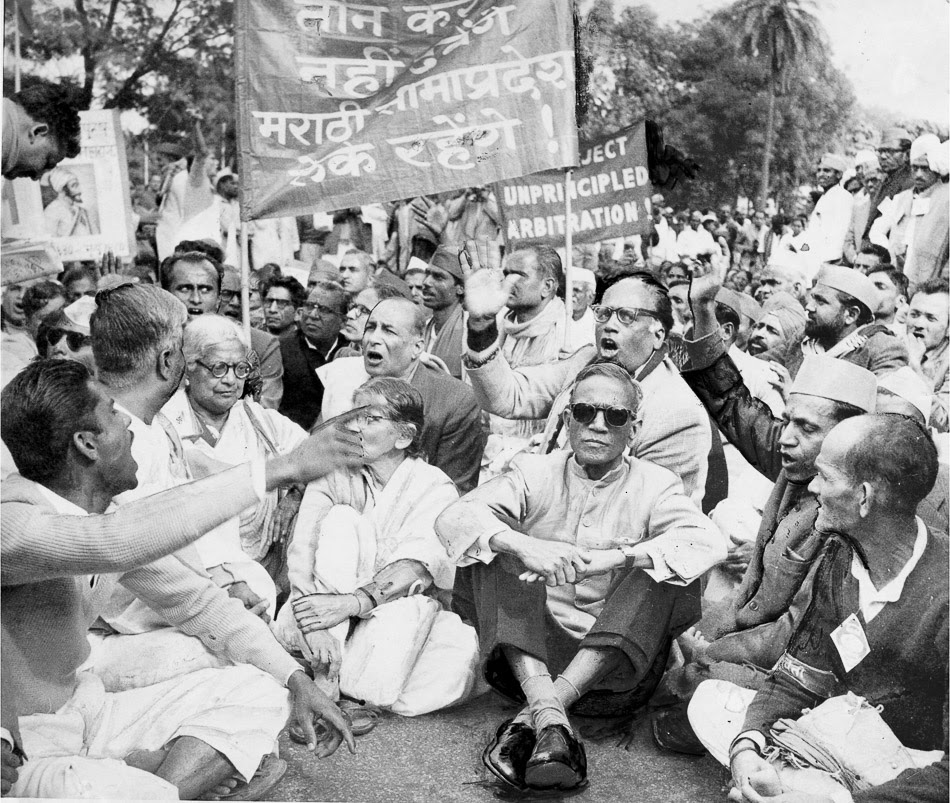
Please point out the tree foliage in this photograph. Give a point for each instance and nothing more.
(710, 95)
(164, 58)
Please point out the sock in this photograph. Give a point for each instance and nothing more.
(543, 702)
(567, 692)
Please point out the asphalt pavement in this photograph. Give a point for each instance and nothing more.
(437, 757)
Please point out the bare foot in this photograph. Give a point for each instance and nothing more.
(693, 644)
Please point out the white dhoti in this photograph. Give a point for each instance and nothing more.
(78, 751)
(717, 712)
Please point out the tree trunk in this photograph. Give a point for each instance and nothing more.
(767, 154)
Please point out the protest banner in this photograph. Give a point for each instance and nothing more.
(82, 207)
(608, 192)
(343, 104)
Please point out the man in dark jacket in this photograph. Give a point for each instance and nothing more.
(876, 627)
(310, 344)
(840, 312)
(894, 155)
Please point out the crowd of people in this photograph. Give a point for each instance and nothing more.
(715, 492)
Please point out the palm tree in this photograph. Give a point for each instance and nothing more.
(786, 33)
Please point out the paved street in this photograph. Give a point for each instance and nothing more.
(437, 758)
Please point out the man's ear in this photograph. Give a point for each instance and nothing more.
(727, 330)
(851, 314)
(418, 346)
(163, 364)
(37, 130)
(866, 497)
(86, 444)
(634, 432)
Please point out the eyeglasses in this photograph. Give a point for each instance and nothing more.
(282, 303)
(361, 309)
(626, 315)
(363, 419)
(75, 340)
(227, 296)
(242, 370)
(321, 310)
(615, 417)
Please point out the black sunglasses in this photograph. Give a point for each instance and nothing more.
(615, 417)
(75, 340)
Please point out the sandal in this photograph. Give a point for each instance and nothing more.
(265, 778)
(362, 718)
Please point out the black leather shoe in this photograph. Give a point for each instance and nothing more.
(508, 752)
(558, 760)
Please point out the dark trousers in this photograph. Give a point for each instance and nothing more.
(640, 619)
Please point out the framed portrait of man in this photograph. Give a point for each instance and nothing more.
(83, 205)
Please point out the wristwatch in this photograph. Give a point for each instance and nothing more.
(630, 556)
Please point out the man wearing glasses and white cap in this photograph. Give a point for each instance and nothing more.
(581, 560)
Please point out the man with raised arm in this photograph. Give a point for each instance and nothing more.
(752, 630)
(61, 560)
(633, 323)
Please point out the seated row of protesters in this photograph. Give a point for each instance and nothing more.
(569, 581)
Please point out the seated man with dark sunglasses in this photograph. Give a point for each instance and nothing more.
(582, 564)
(633, 322)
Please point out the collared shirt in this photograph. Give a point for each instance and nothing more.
(872, 599)
(553, 499)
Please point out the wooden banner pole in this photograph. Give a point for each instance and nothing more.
(568, 261)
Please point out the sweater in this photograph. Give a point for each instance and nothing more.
(59, 570)
(906, 668)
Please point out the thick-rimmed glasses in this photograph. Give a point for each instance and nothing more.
(626, 315)
(219, 369)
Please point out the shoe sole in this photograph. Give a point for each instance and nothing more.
(486, 760)
(552, 775)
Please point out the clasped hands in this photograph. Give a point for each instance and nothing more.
(557, 563)
(322, 611)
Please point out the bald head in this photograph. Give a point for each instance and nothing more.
(889, 452)
(393, 339)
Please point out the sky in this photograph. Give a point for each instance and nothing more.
(895, 52)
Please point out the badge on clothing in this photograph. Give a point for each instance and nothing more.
(851, 643)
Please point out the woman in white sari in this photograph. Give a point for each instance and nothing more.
(210, 416)
(369, 575)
